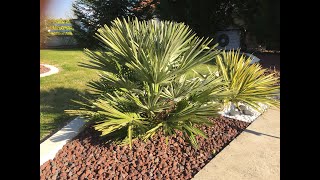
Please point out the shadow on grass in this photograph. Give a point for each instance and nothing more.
(52, 106)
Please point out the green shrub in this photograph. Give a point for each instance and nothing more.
(91, 15)
(143, 88)
(248, 83)
(52, 25)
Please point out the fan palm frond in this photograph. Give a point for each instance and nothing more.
(247, 81)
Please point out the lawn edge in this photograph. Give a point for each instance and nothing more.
(50, 147)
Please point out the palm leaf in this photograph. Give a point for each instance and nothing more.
(247, 81)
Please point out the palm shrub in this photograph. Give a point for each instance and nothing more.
(143, 88)
(248, 83)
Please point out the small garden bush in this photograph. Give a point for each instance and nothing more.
(52, 25)
(248, 82)
(143, 88)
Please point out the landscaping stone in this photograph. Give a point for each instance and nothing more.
(233, 112)
(242, 107)
(147, 160)
(247, 112)
(243, 117)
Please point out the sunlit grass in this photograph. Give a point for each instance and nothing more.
(56, 91)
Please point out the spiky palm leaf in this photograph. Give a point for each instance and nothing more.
(247, 81)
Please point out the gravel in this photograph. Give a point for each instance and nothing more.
(240, 116)
(88, 157)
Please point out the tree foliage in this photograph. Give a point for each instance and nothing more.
(52, 24)
(43, 31)
(265, 24)
(260, 17)
(146, 9)
(205, 17)
(93, 14)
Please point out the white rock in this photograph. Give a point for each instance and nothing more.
(53, 70)
(243, 117)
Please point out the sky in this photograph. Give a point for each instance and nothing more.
(60, 9)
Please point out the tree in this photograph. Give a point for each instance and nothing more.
(43, 31)
(146, 9)
(259, 17)
(265, 24)
(93, 14)
(205, 17)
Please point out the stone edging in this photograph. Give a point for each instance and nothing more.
(50, 147)
(53, 70)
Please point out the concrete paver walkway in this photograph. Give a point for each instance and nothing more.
(253, 155)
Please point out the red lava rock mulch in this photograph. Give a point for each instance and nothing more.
(43, 69)
(86, 157)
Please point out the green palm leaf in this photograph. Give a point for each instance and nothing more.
(143, 87)
(247, 81)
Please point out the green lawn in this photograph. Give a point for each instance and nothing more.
(56, 91)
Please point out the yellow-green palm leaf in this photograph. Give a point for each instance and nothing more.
(247, 81)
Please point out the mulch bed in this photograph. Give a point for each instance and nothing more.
(43, 69)
(87, 157)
